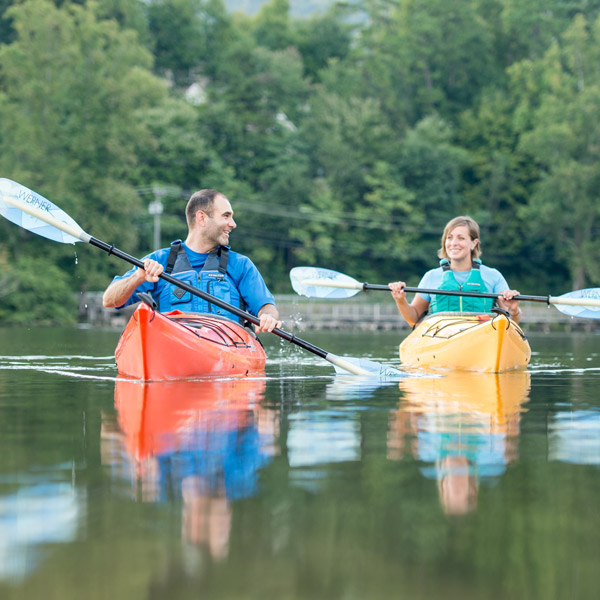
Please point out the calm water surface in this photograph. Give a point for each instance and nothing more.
(299, 484)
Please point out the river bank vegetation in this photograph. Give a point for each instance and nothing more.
(346, 139)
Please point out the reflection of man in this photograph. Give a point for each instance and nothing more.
(206, 518)
(210, 461)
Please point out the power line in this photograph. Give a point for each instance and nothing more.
(326, 217)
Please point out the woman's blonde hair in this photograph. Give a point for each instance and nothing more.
(473, 234)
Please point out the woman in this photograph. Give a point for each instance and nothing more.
(460, 269)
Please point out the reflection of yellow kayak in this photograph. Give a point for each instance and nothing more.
(460, 427)
(497, 397)
(471, 342)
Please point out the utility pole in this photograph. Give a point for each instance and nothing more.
(155, 208)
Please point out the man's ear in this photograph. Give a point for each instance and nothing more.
(200, 218)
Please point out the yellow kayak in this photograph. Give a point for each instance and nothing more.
(490, 343)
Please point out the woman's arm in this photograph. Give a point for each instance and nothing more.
(410, 312)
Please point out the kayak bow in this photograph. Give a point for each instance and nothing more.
(470, 342)
(176, 345)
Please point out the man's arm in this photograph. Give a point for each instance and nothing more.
(119, 291)
(254, 291)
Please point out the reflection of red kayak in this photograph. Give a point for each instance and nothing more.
(157, 417)
(176, 345)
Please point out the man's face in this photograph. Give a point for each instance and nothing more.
(221, 223)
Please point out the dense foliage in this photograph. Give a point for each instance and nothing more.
(344, 140)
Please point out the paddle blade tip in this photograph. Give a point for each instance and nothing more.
(582, 304)
(36, 214)
(363, 367)
(314, 282)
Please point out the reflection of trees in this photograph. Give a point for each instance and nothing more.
(462, 427)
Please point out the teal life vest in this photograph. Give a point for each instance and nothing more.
(212, 279)
(473, 283)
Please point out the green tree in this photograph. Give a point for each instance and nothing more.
(31, 294)
(562, 94)
(7, 32)
(72, 88)
(429, 165)
(529, 27)
(424, 57)
(130, 14)
(189, 38)
(177, 153)
(175, 26)
(272, 27)
(254, 92)
(497, 185)
(348, 138)
(321, 39)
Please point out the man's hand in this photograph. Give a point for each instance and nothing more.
(153, 270)
(118, 292)
(269, 319)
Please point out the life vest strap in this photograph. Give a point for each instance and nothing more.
(178, 260)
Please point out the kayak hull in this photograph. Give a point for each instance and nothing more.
(175, 345)
(465, 341)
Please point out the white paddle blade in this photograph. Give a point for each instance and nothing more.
(363, 367)
(33, 212)
(584, 304)
(323, 283)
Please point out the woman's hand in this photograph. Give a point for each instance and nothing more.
(397, 289)
(512, 306)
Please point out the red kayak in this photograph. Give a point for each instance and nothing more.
(175, 345)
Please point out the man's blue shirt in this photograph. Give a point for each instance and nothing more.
(240, 269)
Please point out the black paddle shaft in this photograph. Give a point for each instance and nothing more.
(212, 299)
(379, 287)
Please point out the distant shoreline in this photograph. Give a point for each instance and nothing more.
(305, 314)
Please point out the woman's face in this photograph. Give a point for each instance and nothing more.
(459, 243)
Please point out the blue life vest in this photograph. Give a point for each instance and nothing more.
(473, 283)
(212, 279)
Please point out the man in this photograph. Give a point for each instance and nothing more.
(204, 261)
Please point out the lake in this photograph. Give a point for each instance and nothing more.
(300, 484)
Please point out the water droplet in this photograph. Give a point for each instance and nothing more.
(76, 259)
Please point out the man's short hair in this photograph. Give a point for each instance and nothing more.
(202, 200)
